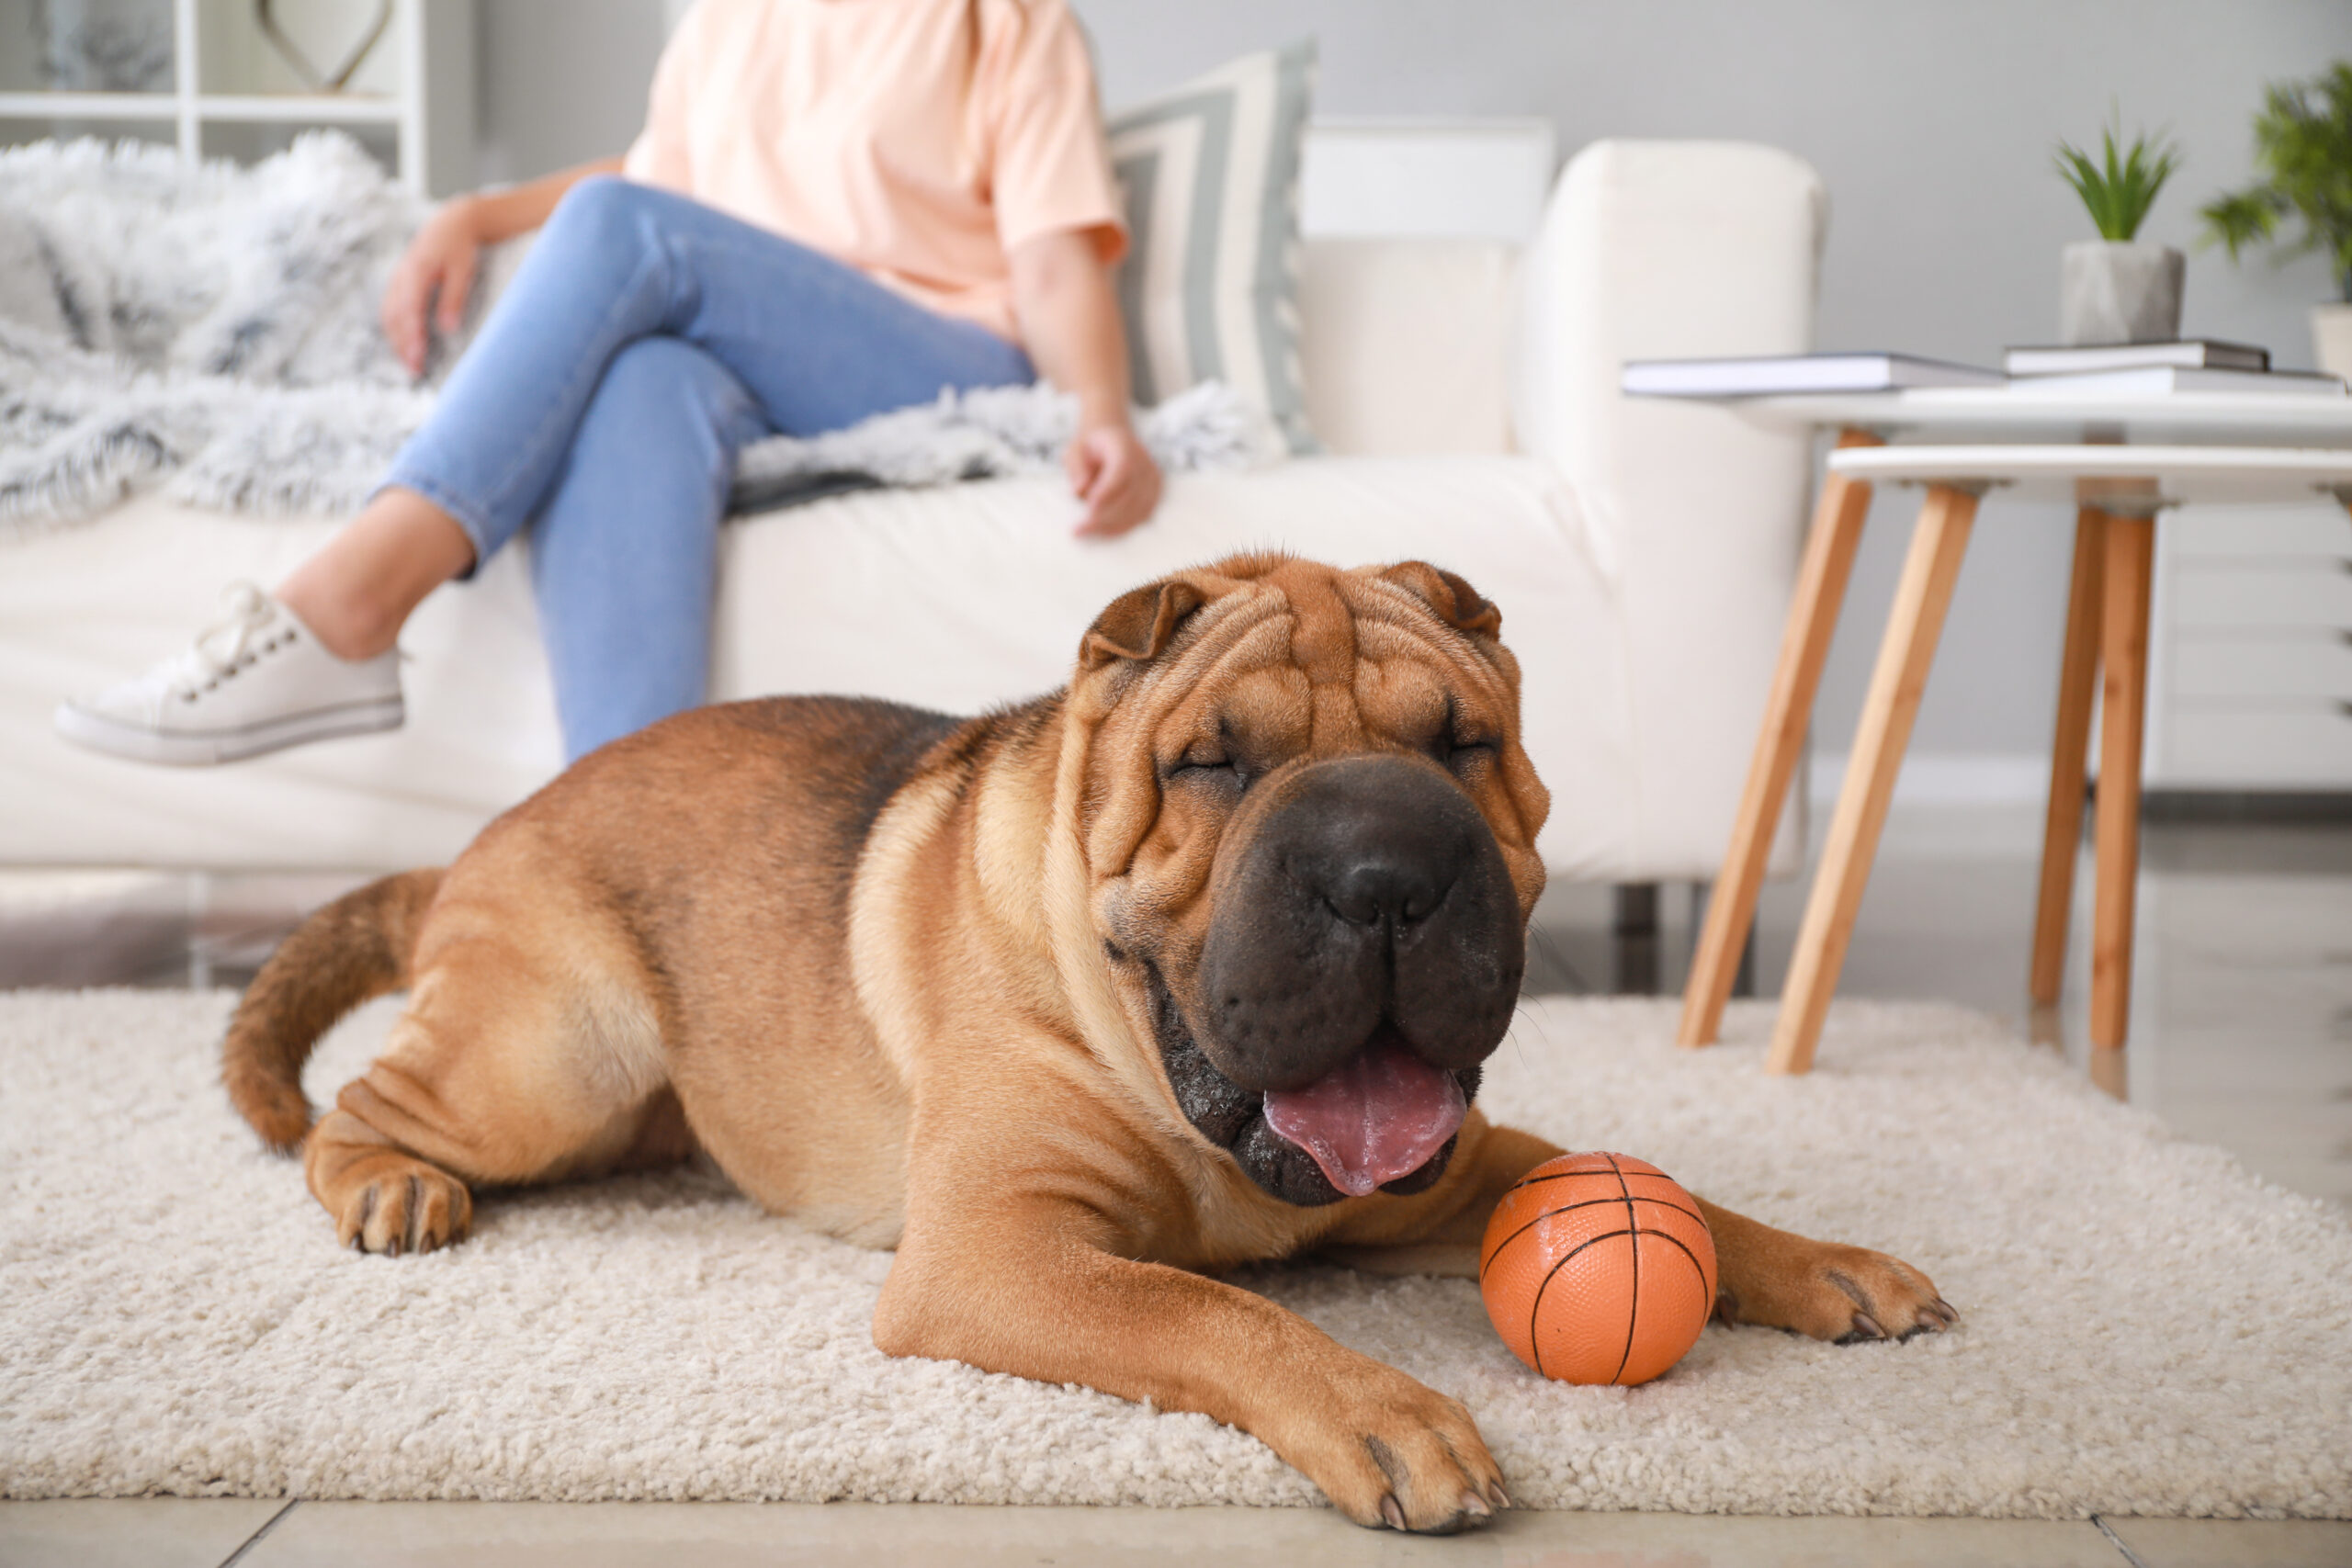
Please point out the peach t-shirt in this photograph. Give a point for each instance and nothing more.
(918, 140)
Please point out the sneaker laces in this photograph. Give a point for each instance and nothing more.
(225, 646)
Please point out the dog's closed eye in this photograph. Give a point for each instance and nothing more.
(1464, 757)
(1207, 768)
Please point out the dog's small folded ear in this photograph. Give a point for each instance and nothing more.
(1457, 604)
(1139, 622)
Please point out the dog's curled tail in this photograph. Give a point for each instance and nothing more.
(356, 948)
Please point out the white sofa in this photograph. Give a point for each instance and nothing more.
(1641, 552)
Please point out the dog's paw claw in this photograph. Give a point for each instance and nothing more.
(1405, 1457)
(1847, 1295)
(1866, 1329)
(1934, 1318)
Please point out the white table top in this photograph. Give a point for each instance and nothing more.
(2024, 413)
(2127, 480)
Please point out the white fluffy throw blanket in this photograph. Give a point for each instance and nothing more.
(213, 330)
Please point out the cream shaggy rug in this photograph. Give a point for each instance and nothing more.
(2149, 1329)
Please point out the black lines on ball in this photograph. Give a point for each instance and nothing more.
(1583, 1203)
(1633, 1306)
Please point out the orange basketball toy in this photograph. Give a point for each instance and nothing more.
(1597, 1269)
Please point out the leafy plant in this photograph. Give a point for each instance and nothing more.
(2118, 189)
(2303, 145)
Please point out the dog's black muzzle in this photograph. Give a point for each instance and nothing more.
(1368, 900)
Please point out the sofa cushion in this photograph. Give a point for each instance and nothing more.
(1209, 286)
(1404, 342)
(955, 598)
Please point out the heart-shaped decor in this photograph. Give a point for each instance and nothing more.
(293, 53)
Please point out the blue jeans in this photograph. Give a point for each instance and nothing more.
(647, 340)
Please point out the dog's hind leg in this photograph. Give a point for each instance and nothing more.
(529, 1053)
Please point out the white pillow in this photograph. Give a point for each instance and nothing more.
(1210, 286)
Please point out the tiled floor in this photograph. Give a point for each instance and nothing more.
(178, 1533)
(2242, 1036)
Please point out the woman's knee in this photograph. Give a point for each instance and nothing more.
(660, 382)
(602, 211)
(664, 426)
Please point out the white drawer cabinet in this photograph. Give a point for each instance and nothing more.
(2293, 666)
(2307, 748)
(2266, 594)
(2251, 682)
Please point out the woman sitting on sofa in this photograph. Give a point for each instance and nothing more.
(835, 209)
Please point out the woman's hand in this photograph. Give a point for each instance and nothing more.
(1113, 473)
(1069, 319)
(435, 274)
(434, 278)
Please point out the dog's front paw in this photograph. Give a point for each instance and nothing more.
(1845, 1294)
(1390, 1452)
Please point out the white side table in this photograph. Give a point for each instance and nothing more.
(2288, 449)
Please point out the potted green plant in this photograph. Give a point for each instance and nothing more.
(2302, 147)
(2114, 290)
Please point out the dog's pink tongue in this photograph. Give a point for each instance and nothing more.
(1379, 1116)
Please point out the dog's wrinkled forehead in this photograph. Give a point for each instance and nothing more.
(1212, 625)
(1264, 662)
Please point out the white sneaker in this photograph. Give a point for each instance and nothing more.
(256, 682)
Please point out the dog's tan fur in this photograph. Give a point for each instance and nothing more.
(880, 969)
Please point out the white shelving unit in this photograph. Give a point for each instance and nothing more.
(415, 87)
(2250, 673)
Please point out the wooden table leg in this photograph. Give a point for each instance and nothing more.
(1804, 645)
(2062, 831)
(1913, 626)
(2123, 700)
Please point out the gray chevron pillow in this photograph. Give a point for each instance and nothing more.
(1210, 284)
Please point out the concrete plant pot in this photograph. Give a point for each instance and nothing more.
(2111, 292)
(2332, 339)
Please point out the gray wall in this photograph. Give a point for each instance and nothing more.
(561, 81)
(1931, 119)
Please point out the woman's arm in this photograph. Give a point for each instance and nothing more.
(1070, 320)
(441, 261)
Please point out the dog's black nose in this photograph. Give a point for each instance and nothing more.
(1379, 839)
(1385, 889)
(1370, 889)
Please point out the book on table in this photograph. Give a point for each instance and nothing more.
(1791, 375)
(2191, 354)
(1768, 374)
(2165, 379)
